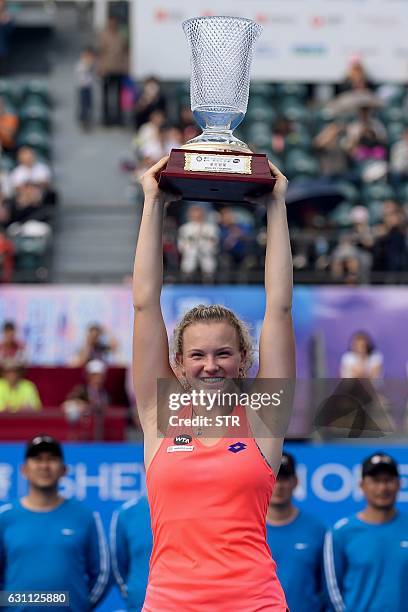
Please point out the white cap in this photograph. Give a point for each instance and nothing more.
(96, 366)
(359, 214)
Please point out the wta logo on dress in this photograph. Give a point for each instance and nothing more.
(182, 439)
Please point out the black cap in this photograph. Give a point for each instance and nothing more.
(379, 462)
(287, 466)
(43, 443)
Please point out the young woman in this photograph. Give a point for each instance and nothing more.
(208, 505)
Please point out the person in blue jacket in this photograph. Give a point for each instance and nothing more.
(296, 542)
(48, 543)
(131, 546)
(366, 555)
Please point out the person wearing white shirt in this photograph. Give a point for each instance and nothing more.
(30, 170)
(362, 360)
(198, 241)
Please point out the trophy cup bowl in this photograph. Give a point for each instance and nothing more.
(217, 166)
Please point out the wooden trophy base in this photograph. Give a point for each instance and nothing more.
(214, 176)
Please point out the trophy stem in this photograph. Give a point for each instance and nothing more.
(217, 138)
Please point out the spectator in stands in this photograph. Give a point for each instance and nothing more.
(329, 145)
(8, 128)
(366, 137)
(197, 242)
(361, 231)
(131, 547)
(170, 250)
(149, 132)
(237, 244)
(7, 251)
(90, 398)
(365, 555)
(348, 262)
(188, 126)
(11, 348)
(30, 170)
(168, 137)
(85, 78)
(150, 99)
(5, 184)
(93, 393)
(356, 77)
(399, 156)
(28, 203)
(6, 30)
(361, 360)
(49, 543)
(16, 392)
(281, 130)
(390, 251)
(97, 345)
(113, 67)
(296, 541)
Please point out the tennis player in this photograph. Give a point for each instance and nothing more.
(209, 496)
(366, 555)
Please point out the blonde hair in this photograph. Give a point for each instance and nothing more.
(217, 313)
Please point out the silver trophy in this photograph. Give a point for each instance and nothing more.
(221, 55)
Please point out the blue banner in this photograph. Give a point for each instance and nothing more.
(104, 476)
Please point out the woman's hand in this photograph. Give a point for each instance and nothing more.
(277, 194)
(150, 183)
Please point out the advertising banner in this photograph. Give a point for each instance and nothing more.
(104, 476)
(302, 40)
(53, 319)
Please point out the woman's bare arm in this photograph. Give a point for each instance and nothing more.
(150, 342)
(277, 342)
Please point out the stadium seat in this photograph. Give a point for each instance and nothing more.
(393, 113)
(265, 90)
(6, 163)
(375, 208)
(294, 110)
(37, 112)
(394, 131)
(298, 162)
(35, 125)
(300, 139)
(298, 90)
(349, 190)
(9, 94)
(377, 192)
(261, 112)
(37, 140)
(259, 134)
(403, 193)
(38, 90)
(340, 216)
(31, 257)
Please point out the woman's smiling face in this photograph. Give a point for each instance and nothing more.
(210, 354)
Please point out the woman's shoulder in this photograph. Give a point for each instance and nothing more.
(376, 358)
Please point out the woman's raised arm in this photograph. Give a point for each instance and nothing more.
(150, 342)
(277, 344)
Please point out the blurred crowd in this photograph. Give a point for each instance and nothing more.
(347, 161)
(344, 148)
